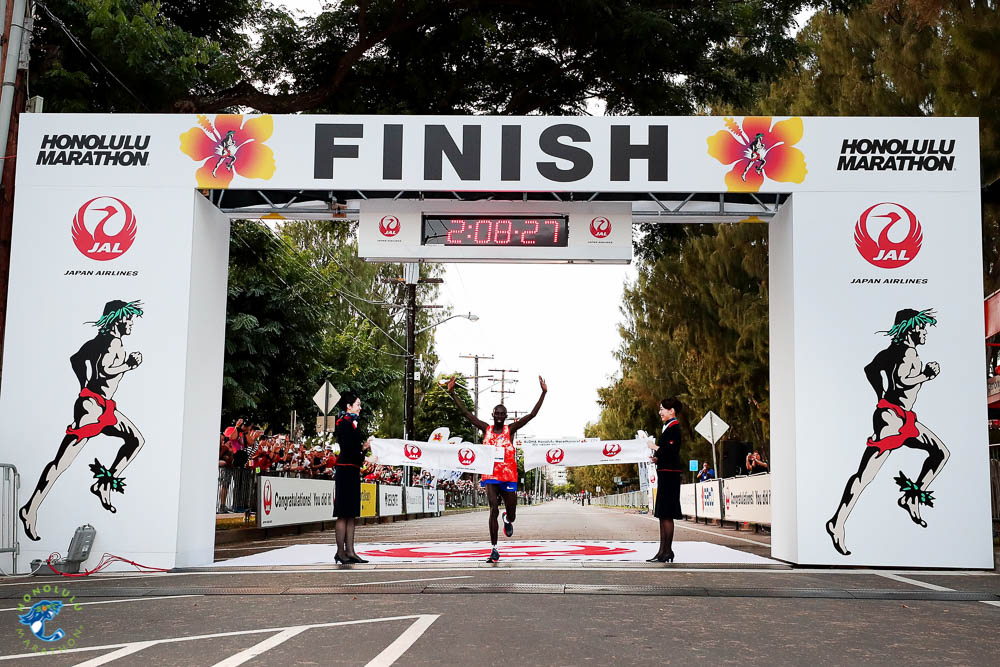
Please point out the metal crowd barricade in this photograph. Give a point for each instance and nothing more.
(9, 483)
(236, 490)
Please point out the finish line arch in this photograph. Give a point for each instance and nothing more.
(116, 214)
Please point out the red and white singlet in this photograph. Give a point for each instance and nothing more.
(505, 471)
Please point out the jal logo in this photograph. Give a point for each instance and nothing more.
(389, 226)
(728, 499)
(411, 452)
(899, 237)
(113, 225)
(267, 497)
(612, 449)
(466, 457)
(600, 227)
(554, 456)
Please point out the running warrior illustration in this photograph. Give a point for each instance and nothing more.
(756, 153)
(99, 365)
(226, 150)
(896, 374)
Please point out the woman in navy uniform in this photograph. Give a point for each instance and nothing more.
(667, 457)
(347, 478)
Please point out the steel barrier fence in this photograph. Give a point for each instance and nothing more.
(630, 499)
(237, 490)
(9, 482)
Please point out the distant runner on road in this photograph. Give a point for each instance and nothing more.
(503, 482)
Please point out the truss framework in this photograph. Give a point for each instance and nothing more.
(647, 207)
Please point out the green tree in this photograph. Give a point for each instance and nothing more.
(273, 330)
(135, 56)
(418, 56)
(695, 327)
(294, 322)
(437, 409)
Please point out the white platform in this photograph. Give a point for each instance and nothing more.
(510, 551)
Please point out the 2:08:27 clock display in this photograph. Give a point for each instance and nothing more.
(521, 231)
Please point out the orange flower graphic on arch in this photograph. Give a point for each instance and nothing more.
(230, 146)
(758, 150)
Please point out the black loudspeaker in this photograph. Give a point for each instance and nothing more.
(734, 457)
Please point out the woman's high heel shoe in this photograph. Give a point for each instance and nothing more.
(356, 559)
(341, 560)
(656, 559)
(669, 558)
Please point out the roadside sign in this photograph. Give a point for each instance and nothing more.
(326, 398)
(711, 427)
(693, 465)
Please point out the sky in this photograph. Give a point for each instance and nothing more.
(559, 321)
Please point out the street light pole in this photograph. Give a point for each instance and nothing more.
(411, 317)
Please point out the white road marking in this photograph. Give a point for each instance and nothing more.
(114, 655)
(161, 597)
(407, 581)
(216, 635)
(261, 647)
(913, 582)
(393, 651)
(721, 535)
(924, 584)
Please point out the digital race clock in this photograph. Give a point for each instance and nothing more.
(443, 230)
(531, 231)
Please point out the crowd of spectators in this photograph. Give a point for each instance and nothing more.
(245, 452)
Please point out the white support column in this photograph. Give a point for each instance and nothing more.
(831, 309)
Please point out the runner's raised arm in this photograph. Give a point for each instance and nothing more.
(534, 411)
(473, 419)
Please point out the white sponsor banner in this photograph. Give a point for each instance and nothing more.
(707, 500)
(438, 455)
(545, 153)
(290, 500)
(390, 500)
(414, 500)
(441, 501)
(688, 499)
(430, 500)
(538, 453)
(748, 498)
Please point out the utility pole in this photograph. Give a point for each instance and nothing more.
(475, 378)
(15, 44)
(411, 278)
(514, 414)
(504, 381)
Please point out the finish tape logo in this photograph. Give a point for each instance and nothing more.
(40, 629)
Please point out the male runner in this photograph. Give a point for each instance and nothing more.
(503, 483)
(99, 365)
(895, 423)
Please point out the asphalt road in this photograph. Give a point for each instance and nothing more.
(524, 613)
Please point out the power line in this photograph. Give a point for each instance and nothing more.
(311, 307)
(290, 254)
(87, 53)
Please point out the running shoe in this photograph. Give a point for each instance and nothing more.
(508, 527)
(494, 556)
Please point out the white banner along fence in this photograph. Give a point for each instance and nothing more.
(744, 499)
(289, 501)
